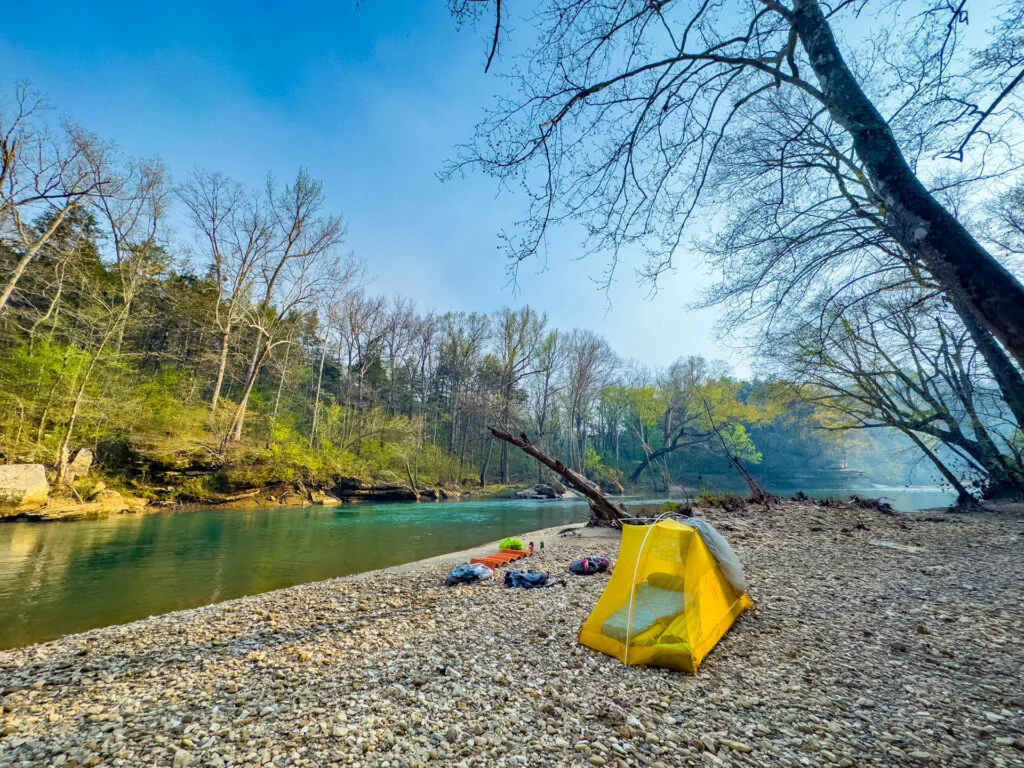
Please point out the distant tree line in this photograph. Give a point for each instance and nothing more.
(860, 166)
(250, 334)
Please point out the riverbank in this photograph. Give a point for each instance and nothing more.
(149, 476)
(65, 508)
(878, 640)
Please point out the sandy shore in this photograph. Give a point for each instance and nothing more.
(877, 641)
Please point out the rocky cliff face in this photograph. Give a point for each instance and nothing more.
(353, 489)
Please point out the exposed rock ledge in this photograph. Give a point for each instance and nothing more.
(64, 509)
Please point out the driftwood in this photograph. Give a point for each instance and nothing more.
(876, 504)
(602, 511)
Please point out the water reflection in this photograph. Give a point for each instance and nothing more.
(60, 578)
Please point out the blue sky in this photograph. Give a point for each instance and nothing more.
(371, 97)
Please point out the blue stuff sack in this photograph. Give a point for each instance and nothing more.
(526, 579)
(468, 573)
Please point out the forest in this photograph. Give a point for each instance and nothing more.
(206, 337)
(244, 347)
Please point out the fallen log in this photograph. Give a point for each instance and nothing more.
(602, 511)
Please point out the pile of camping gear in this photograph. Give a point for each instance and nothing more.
(675, 590)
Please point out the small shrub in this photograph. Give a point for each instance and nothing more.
(200, 488)
(89, 487)
(511, 544)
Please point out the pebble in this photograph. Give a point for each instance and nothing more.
(736, 746)
(395, 670)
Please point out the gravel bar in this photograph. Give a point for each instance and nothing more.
(877, 640)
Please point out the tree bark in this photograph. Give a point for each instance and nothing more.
(602, 511)
(235, 431)
(1009, 379)
(506, 421)
(486, 463)
(651, 456)
(918, 221)
(503, 463)
(41, 430)
(757, 493)
(964, 497)
(277, 399)
(981, 450)
(64, 449)
(316, 400)
(26, 258)
(221, 368)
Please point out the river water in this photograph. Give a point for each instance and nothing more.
(59, 578)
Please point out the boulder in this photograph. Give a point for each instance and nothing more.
(104, 503)
(543, 491)
(22, 487)
(322, 499)
(79, 466)
(112, 503)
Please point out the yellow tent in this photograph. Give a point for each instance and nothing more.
(668, 601)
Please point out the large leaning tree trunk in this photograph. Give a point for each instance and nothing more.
(1008, 378)
(916, 219)
(642, 121)
(602, 511)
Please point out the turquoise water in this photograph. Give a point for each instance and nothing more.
(58, 578)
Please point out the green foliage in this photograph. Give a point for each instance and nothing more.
(164, 404)
(596, 470)
(591, 461)
(516, 544)
(109, 342)
(740, 444)
(89, 486)
(648, 403)
(202, 488)
(124, 358)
